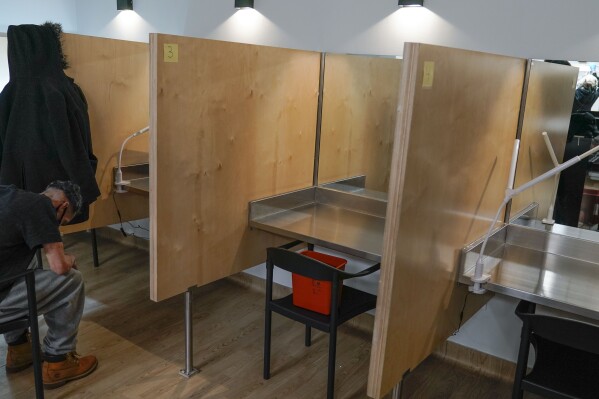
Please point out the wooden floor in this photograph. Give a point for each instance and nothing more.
(437, 379)
(140, 345)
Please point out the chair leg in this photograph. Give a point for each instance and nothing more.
(332, 354)
(308, 335)
(517, 392)
(523, 353)
(35, 337)
(267, 324)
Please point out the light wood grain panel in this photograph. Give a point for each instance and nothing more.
(113, 75)
(232, 123)
(451, 158)
(548, 106)
(358, 118)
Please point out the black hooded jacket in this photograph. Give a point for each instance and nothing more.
(44, 126)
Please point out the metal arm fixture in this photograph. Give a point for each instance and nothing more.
(118, 179)
(479, 278)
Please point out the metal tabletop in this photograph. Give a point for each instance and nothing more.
(140, 186)
(555, 270)
(325, 218)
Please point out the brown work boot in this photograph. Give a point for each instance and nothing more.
(19, 357)
(68, 367)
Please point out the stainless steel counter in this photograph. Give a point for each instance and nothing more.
(328, 218)
(140, 186)
(542, 266)
(356, 186)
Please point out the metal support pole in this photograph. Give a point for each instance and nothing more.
(189, 370)
(396, 393)
(397, 389)
(319, 119)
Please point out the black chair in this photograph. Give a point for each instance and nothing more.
(352, 303)
(566, 356)
(29, 321)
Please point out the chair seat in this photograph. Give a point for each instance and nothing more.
(17, 324)
(353, 302)
(563, 372)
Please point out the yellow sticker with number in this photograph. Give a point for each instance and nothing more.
(429, 74)
(171, 53)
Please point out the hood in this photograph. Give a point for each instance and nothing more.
(35, 51)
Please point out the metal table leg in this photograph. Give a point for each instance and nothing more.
(95, 248)
(189, 370)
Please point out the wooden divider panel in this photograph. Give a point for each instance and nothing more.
(230, 123)
(457, 122)
(548, 106)
(114, 76)
(358, 118)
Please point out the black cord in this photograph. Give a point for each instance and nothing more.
(462, 314)
(137, 226)
(118, 212)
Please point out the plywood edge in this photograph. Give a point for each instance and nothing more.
(153, 167)
(400, 151)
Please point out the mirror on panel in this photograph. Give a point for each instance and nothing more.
(359, 108)
(561, 100)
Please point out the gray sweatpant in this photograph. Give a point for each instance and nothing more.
(59, 298)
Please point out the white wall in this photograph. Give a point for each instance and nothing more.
(37, 12)
(532, 29)
(541, 29)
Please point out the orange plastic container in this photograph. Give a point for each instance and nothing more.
(315, 295)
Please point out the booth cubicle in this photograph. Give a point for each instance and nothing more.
(459, 114)
(113, 75)
(232, 123)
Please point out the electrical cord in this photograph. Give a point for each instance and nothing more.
(122, 228)
(462, 314)
(118, 212)
(137, 226)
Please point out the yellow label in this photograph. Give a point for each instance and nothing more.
(429, 74)
(171, 53)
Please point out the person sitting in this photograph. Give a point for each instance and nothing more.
(30, 221)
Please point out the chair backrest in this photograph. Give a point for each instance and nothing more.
(16, 276)
(573, 333)
(295, 262)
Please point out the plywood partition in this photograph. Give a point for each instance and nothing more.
(358, 118)
(457, 120)
(114, 76)
(230, 123)
(549, 98)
